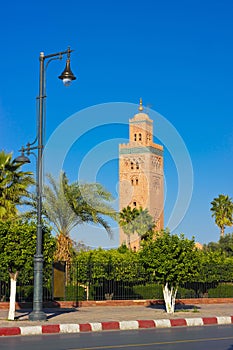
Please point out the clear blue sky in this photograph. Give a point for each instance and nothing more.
(176, 55)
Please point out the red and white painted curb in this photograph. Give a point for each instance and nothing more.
(112, 325)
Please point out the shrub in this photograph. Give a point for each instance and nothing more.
(149, 291)
(223, 290)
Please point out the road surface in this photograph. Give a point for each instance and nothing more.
(182, 338)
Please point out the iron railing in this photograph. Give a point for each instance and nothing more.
(105, 281)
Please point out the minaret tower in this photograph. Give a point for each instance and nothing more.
(141, 182)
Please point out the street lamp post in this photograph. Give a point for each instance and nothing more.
(67, 76)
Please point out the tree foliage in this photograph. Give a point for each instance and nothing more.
(14, 185)
(114, 264)
(224, 245)
(18, 247)
(217, 260)
(144, 223)
(172, 260)
(90, 202)
(215, 266)
(222, 211)
(136, 220)
(69, 205)
(126, 221)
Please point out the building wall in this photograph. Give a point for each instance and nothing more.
(141, 178)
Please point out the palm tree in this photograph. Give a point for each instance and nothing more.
(144, 223)
(127, 218)
(14, 185)
(69, 205)
(136, 220)
(222, 208)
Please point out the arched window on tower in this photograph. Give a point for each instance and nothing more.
(136, 181)
(135, 204)
(135, 137)
(140, 137)
(131, 181)
(137, 165)
(131, 165)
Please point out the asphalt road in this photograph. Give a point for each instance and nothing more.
(191, 338)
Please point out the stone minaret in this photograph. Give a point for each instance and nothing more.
(141, 181)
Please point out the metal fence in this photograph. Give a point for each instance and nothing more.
(106, 282)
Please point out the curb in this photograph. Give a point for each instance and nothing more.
(114, 325)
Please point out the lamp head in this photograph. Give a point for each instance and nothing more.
(67, 75)
(22, 159)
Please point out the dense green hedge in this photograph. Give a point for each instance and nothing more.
(148, 291)
(101, 291)
(223, 290)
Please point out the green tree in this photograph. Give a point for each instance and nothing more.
(90, 202)
(69, 205)
(224, 245)
(215, 266)
(144, 223)
(14, 185)
(222, 208)
(136, 220)
(107, 268)
(127, 218)
(171, 260)
(17, 249)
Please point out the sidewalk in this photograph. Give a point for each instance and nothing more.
(100, 318)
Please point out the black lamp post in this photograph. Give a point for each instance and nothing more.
(67, 76)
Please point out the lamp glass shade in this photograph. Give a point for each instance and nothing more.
(67, 75)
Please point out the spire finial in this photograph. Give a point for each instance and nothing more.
(140, 108)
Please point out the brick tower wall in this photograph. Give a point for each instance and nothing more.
(141, 179)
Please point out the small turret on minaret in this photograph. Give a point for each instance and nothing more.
(140, 108)
(141, 127)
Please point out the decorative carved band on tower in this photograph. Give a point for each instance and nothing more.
(141, 177)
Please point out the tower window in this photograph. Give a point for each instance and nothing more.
(136, 182)
(131, 181)
(137, 165)
(135, 137)
(131, 165)
(135, 204)
(140, 137)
